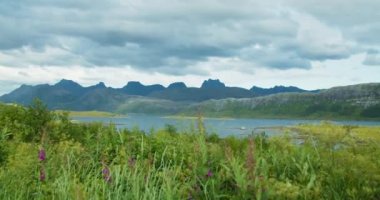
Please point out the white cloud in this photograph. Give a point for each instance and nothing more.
(317, 41)
(372, 58)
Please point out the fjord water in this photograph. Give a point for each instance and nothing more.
(221, 126)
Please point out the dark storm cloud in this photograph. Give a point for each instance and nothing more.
(170, 36)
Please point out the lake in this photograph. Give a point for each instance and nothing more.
(222, 127)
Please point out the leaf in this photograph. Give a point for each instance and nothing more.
(311, 182)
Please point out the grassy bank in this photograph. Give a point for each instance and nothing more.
(89, 113)
(45, 156)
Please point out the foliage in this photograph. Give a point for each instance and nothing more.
(93, 161)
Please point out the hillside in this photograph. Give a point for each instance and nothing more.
(349, 102)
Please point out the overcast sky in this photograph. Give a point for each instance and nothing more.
(307, 43)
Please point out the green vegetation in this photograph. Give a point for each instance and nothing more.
(287, 106)
(89, 113)
(45, 156)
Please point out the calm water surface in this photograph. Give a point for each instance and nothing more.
(223, 127)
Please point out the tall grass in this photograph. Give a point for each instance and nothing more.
(318, 162)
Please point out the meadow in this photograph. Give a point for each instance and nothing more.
(43, 155)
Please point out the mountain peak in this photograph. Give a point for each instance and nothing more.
(211, 83)
(134, 84)
(274, 90)
(177, 85)
(24, 86)
(67, 84)
(136, 88)
(100, 85)
(281, 86)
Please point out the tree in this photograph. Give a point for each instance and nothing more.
(37, 118)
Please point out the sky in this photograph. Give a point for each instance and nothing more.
(311, 44)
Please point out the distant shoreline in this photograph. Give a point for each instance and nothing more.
(215, 116)
(90, 113)
(278, 117)
(181, 117)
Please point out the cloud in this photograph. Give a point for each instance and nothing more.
(317, 41)
(372, 57)
(356, 19)
(367, 33)
(270, 56)
(177, 37)
(340, 12)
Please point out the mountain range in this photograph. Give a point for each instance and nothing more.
(67, 92)
(213, 98)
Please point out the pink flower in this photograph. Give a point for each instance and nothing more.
(42, 175)
(106, 174)
(42, 155)
(209, 174)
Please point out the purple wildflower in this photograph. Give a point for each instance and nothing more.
(209, 174)
(42, 155)
(106, 174)
(106, 171)
(42, 175)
